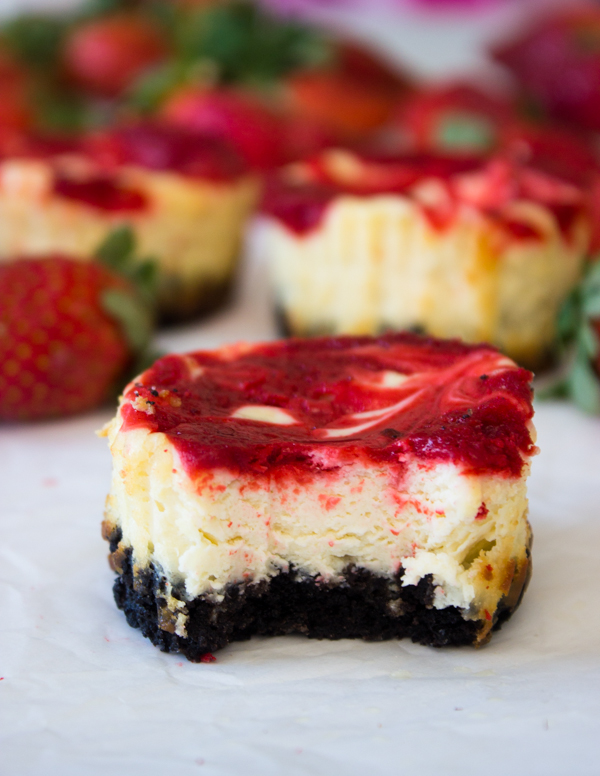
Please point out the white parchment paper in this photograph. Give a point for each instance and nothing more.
(83, 693)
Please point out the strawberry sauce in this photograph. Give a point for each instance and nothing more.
(156, 146)
(101, 192)
(149, 145)
(300, 201)
(382, 400)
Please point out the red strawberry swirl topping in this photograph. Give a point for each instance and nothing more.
(312, 404)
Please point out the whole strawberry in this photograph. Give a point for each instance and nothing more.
(104, 56)
(63, 344)
(557, 64)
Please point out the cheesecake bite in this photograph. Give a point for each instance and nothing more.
(453, 247)
(187, 198)
(349, 487)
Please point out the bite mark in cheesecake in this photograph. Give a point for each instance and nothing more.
(401, 458)
(455, 247)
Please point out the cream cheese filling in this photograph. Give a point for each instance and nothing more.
(220, 528)
(377, 263)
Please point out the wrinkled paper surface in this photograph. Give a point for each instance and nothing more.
(83, 693)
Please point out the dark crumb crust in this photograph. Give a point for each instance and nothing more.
(365, 606)
(179, 302)
(543, 362)
(286, 329)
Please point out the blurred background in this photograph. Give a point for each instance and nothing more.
(148, 135)
(437, 37)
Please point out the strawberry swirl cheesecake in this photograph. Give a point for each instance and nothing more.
(450, 246)
(349, 487)
(187, 198)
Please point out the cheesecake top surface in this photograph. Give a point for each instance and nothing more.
(312, 405)
(298, 195)
(158, 146)
(95, 178)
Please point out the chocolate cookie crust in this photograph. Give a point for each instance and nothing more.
(365, 606)
(185, 301)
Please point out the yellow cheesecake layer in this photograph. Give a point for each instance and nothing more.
(377, 263)
(193, 228)
(469, 531)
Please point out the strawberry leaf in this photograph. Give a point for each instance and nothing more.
(568, 317)
(137, 323)
(578, 339)
(117, 252)
(94, 8)
(558, 389)
(591, 306)
(133, 315)
(152, 87)
(462, 132)
(587, 340)
(583, 385)
(144, 275)
(117, 248)
(35, 39)
(245, 43)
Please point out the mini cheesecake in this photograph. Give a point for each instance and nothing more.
(187, 198)
(349, 487)
(453, 247)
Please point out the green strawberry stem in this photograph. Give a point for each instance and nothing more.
(118, 252)
(579, 345)
(135, 312)
(235, 42)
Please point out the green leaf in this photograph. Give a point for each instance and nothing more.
(584, 386)
(555, 390)
(591, 305)
(579, 344)
(246, 44)
(35, 39)
(94, 8)
(592, 276)
(59, 110)
(587, 340)
(150, 90)
(462, 131)
(135, 310)
(117, 252)
(145, 276)
(133, 316)
(569, 317)
(117, 249)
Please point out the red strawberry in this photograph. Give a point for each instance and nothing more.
(15, 110)
(106, 55)
(340, 102)
(555, 149)
(230, 115)
(454, 118)
(557, 63)
(365, 66)
(302, 137)
(61, 351)
(355, 96)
